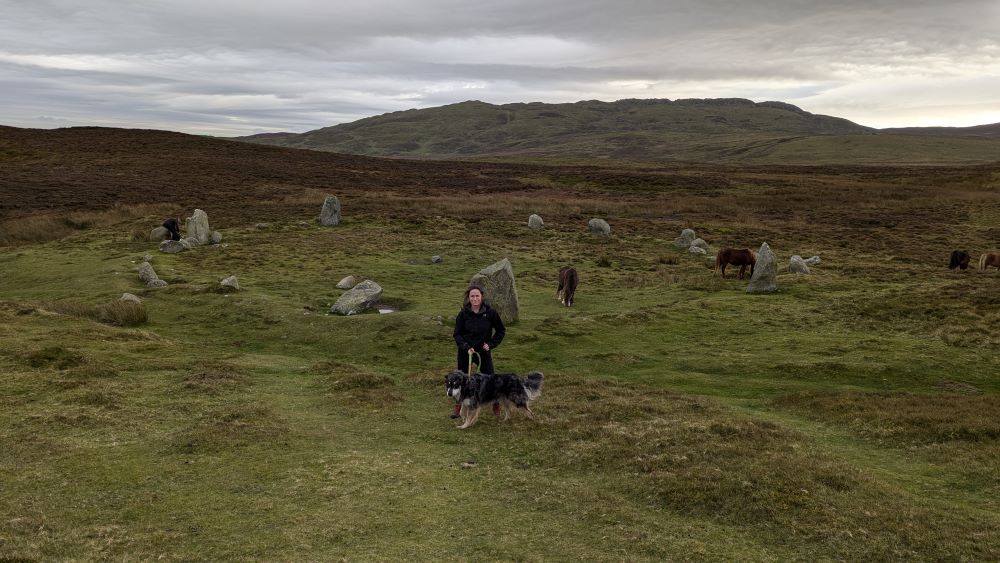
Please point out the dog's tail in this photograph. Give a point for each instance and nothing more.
(533, 385)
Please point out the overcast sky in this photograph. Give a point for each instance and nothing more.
(236, 67)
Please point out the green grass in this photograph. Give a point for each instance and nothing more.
(849, 416)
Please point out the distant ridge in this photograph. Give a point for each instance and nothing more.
(695, 130)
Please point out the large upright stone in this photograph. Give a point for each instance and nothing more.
(197, 228)
(599, 227)
(497, 282)
(765, 272)
(685, 240)
(329, 216)
(535, 223)
(359, 299)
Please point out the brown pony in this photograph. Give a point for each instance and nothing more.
(989, 259)
(567, 286)
(741, 257)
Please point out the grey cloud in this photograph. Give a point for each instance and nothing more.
(301, 64)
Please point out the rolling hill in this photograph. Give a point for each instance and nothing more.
(726, 130)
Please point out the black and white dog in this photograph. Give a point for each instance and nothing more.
(474, 391)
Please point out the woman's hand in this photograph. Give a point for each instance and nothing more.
(486, 347)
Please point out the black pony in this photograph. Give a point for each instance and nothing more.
(959, 259)
(174, 227)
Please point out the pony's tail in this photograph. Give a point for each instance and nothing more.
(982, 262)
(718, 262)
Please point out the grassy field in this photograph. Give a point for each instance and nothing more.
(852, 415)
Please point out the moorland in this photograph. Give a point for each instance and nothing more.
(853, 414)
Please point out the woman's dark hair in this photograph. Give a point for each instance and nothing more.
(465, 298)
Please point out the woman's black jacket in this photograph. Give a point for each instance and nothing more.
(474, 329)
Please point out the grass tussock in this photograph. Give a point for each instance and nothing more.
(352, 386)
(232, 428)
(904, 419)
(48, 227)
(693, 457)
(117, 313)
(55, 357)
(214, 379)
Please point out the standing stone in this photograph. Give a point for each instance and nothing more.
(685, 240)
(497, 282)
(359, 299)
(797, 265)
(535, 223)
(347, 283)
(329, 216)
(146, 273)
(765, 273)
(700, 243)
(599, 227)
(230, 284)
(197, 228)
(158, 234)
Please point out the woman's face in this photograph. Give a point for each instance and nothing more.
(475, 298)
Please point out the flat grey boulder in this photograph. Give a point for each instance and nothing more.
(697, 250)
(685, 240)
(174, 246)
(329, 215)
(156, 283)
(812, 261)
(347, 283)
(130, 297)
(797, 265)
(599, 227)
(497, 281)
(216, 237)
(358, 299)
(700, 243)
(435, 259)
(535, 223)
(765, 272)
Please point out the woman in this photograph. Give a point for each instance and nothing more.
(477, 327)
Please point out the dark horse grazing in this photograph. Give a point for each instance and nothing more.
(567, 286)
(174, 226)
(989, 259)
(741, 257)
(959, 259)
